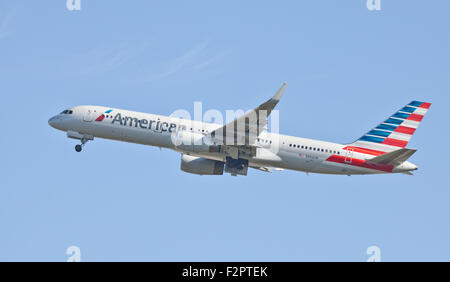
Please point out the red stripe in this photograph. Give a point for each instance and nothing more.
(395, 142)
(100, 118)
(415, 117)
(365, 150)
(405, 130)
(425, 105)
(361, 163)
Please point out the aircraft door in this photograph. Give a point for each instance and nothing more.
(88, 116)
(349, 156)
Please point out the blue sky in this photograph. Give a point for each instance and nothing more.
(347, 67)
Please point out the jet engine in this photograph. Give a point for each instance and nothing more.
(201, 166)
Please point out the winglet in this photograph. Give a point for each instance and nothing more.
(280, 92)
(257, 126)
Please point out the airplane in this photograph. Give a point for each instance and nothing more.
(212, 149)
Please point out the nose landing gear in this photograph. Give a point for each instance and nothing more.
(79, 147)
(79, 136)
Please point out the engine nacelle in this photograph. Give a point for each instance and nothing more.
(201, 166)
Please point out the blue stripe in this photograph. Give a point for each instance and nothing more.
(408, 109)
(394, 121)
(401, 115)
(387, 127)
(415, 103)
(379, 133)
(372, 139)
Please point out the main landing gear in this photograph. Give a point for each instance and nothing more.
(79, 147)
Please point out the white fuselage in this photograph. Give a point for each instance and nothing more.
(273, 150)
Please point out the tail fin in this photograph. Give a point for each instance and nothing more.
(394, 133)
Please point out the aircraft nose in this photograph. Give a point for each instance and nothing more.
(54, 121)
(51, 121)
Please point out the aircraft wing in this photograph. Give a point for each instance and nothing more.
(245, 129)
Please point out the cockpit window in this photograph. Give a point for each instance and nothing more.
(66, 112)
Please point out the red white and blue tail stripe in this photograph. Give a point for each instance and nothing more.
(395, 132)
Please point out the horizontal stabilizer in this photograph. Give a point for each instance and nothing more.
(394, 158)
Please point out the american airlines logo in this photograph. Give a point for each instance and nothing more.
(102, 116)
(155, 125)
